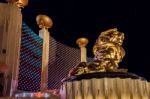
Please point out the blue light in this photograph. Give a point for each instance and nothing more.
(30, 60)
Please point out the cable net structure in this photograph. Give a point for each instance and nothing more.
(61, 59)
(30, 60)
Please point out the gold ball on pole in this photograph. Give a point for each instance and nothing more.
(19, 3)
(82, 42)
(44, 21)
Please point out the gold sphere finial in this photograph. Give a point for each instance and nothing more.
(82, 42)
(19, 3)
(44, 21)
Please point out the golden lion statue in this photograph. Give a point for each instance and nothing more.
(108, 52)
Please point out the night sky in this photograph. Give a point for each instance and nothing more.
(88, 18)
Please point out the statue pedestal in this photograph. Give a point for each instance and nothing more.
(105, 85)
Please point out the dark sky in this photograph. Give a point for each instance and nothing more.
(87, 18)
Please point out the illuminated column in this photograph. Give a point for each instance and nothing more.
(82, 42)
(10, 40)
(44, 23)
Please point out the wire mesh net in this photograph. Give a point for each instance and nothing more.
(61, 59)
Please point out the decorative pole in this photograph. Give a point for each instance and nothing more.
(44, 23)
(10, 31)
(82, 42)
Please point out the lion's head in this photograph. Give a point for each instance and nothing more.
(111, 35)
